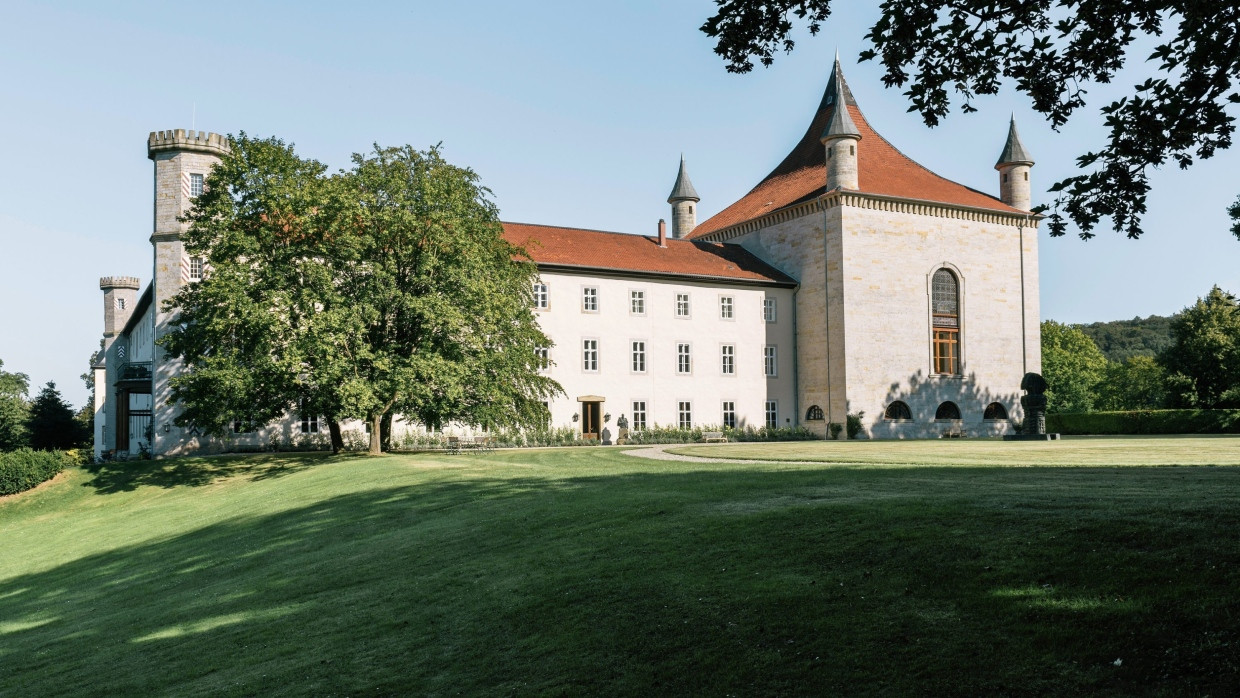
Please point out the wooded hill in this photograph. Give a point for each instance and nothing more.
(1121, 339)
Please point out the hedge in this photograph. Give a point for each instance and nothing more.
(24, 468)
(1146, 422)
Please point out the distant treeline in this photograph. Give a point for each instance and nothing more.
(1120, 340)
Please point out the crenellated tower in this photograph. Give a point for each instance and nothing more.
(841, 137)
(684, 199)
(1013, 166)
(183, 159)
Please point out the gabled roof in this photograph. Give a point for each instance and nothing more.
(598, 251)
(683, 189)
(1013, 151)
(882, 169)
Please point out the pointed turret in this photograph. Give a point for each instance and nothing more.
(683, 200)
(1013, 166)
(841, 136)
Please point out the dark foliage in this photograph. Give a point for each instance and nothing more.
(1050, 51)
(52, 423)
(1123, 339)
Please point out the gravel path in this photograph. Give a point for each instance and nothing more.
(660, 453)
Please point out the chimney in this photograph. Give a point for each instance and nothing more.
(662, 233)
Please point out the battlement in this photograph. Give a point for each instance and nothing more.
(180, 139)
(110, 282)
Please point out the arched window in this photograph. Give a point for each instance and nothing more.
(813, 413)
(898, 410)
(947, 410)
(945, 316)
(995, 411)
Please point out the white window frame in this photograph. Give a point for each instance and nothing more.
(770, 414)
(684, 358)
(728, 407)
(637, 302)
(727, 359)
(635, 424)
(688, 305)
(589, 355)
(197, 182)
(770, 310)
(727, 307)
(542, 295)
(589, 299)
(197, 267)
(637, 356)
(543, 355)
(684, 414)
(770, 361)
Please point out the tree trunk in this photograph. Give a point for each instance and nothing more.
(333, 427)
(385, 432)
(376, 439)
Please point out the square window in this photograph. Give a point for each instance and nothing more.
(589, 355)
(195, 184)
(684, 414)
(637, 302)
(768, 309)
(727, 359)
(682, 305)
(639, 415)
(638, 363)
(769, 366)
(684, 359)
(589, 299)
(725, 307)
(729, 414)
(772, 417)
(542, 300)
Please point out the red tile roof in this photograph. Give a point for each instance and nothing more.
(554, 246)
(882, 169)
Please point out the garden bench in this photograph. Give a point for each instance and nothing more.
(454, 444)
(709, 436)
(484, 443)
(954, 432)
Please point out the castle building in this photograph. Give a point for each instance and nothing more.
(850, 281)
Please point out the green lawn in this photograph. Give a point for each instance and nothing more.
(584, 571)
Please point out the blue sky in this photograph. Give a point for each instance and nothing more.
(573, 114)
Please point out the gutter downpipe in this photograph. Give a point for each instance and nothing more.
(826, 309)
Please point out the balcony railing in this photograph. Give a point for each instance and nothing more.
(136, 371)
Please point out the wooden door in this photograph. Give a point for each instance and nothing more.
(590, 420)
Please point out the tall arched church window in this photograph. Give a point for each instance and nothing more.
(945, 318)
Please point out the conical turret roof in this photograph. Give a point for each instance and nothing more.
(683, 189)
(881, 169)
(841, 124)
(1013, 151)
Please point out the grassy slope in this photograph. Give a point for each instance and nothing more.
(569, 571)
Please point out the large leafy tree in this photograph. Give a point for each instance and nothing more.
(244, 328)
(442, 323)
(51, 423)
(14, 410)
(1136, 383)
(1051, 50)
(387, 288)
(1073, 367)
(1204, 363)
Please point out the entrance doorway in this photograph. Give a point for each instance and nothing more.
(591, 421)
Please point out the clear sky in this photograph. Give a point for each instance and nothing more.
(573, 113)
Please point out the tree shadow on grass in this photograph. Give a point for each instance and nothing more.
(125, 476)
(938, 580)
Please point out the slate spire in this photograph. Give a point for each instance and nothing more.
(841, 124)
(683, 189)
(1013, 151)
